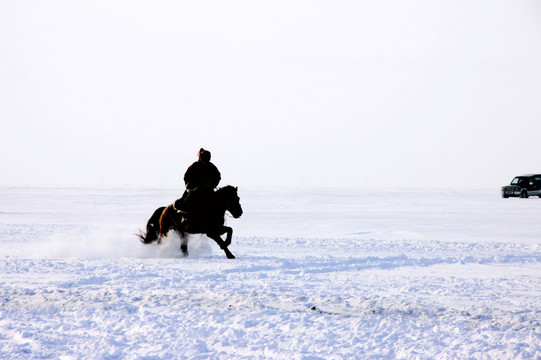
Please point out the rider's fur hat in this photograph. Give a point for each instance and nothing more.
(204, 155)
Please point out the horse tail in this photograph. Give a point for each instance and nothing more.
(146, 237)
(153, 227)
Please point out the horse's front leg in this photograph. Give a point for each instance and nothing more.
(216, 237)
(229, 235)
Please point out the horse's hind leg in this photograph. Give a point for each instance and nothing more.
(184, 243)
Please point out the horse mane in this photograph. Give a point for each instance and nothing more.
(226, 191)
(227, 188)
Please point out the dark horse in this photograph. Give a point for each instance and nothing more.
(211, 222)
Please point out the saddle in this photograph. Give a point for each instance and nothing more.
(195, 205)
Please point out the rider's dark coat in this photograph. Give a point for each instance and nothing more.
(202, 175)
(201, 179)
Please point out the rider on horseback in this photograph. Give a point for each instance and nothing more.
(199, 211)
(201, 178)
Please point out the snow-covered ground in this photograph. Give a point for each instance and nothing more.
(331, 274)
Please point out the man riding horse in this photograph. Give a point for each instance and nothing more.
(201, 178)
(201, 210)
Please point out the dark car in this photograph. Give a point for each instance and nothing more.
(523, 186)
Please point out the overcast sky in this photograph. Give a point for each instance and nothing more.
(284, 93)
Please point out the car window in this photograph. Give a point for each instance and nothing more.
(520, 181)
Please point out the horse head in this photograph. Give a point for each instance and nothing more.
(231, 200)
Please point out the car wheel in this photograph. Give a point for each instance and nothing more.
(524, 194)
